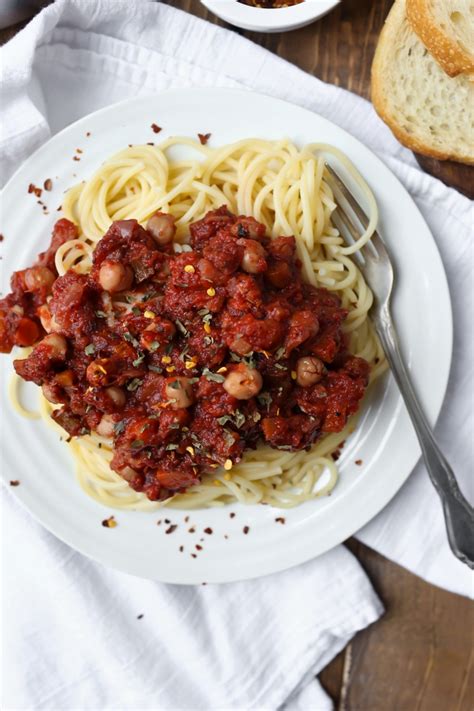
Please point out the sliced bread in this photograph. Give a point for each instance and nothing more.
(446, 28)
(427, 111)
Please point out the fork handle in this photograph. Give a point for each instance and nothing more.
(458, 513)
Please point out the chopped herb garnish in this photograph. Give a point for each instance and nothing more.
(215, 377)
(89, 349)
(155, 369)
(181, 327)
(265, 399)
(208, 340)
(138, 360)
(280, 366)
(154, 345)
(101, 314)
(280, 352)
(136, 311)
(203, 312)
(171, 447)
(134, 384)
(138, 443)
(207, 318)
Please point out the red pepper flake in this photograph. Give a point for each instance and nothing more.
(167, 520)
(33, 189)
(150, 143)
(246, 529)
(1, 238)
(208, 531)
(76, 158)
(139, 617)
(198, 547)
(109, 522)
(48, 184)
(181, 549)
(88, 134)
(193, 555)
(58, 209)
(158, 523)
(14, 482)
(155, 128)
(79, 150)
(280, 519)
(358, 462)
(192, 530)
(203, 583)
(225, 535)
(232, 515)
(186, 519)
(204, 137)
(171, 528)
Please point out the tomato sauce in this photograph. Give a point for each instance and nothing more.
(185, 359)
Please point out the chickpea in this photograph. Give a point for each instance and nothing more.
(241, 346)
(114, 276)
(248, 227)
(162, 228)
(309, 370)
(243, 382)
(106, 426)
(50, 393)
(56, 344)
(38, 277)
(48, 321)
(179, 392)
(128, 473)
(207, 270)
(253, 260)
(117, 396)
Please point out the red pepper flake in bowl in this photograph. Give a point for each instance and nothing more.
(14, 482)
(76, 158)
(208, 531)
(1, 238)
(198, 547)
(358, 462)
(155, 128)
(280, 519)
(171, 528)
(48, 184)
(193, 555)
(246, 529)
(88, 133)
(204, 137)
(232, 514)
(181, 549)
(109, 522)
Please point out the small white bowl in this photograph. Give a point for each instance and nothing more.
(266, 20)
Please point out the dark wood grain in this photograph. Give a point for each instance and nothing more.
(419, 656)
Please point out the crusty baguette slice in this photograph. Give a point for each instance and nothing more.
(427, 111)
(446, 28)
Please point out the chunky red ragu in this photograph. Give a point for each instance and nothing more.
(185, 359)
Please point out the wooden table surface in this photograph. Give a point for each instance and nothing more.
(420, 655)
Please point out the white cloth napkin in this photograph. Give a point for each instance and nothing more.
(71, 627)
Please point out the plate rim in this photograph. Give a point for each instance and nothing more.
(361, 520)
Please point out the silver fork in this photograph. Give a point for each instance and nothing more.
(377, 269)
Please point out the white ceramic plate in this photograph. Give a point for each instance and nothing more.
(279, 19)
(384, 440)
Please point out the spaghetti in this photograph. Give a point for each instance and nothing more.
(283, 188)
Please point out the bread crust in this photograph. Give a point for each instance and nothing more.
(449, 54)
(380, 99)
